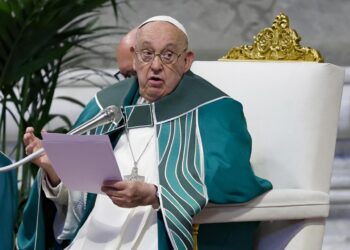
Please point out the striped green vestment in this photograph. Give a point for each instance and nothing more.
(181, 177)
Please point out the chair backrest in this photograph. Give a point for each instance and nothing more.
(292, 111)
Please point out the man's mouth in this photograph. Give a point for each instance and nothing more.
(155, 81)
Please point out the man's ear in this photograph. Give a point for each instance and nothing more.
(132, 51)
(188, 60)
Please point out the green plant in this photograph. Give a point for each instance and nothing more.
(36, 42)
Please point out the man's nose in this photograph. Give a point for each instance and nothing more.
(157, 63)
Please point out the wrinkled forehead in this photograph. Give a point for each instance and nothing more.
(160, 33)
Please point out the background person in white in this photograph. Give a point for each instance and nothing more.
(127, 218)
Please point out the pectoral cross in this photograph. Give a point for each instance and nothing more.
(134, 175)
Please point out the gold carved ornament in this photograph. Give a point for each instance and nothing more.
(278, 42)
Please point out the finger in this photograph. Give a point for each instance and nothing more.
(112, 196)
(33, 146)
(29, 130)
(110, 191)
(124, 195)
(29, 135)
(120, 185)
(29, 148)
(121, 202)
(118, 200)
(26, 138)
(37, 144)
(109, 183)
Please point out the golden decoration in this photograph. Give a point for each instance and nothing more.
(278, 42)
(195, 229)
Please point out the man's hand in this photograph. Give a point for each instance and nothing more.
(131, 194)
(33, 144)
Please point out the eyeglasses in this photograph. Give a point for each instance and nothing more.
(167, 56)
(120, 76)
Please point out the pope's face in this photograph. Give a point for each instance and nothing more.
(157, 79)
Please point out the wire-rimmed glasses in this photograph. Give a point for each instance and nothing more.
(166, 56)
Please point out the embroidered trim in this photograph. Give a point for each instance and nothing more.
(183, 192)
(191, 110)
(130, 114)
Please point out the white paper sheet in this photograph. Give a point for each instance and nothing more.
(82, 162)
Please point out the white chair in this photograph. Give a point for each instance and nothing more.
(292, 111)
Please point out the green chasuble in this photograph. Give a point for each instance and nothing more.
(8, 204)
(203, 156)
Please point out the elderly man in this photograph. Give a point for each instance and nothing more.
(125, 56)
(185, 143)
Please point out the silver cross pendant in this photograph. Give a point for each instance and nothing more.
(134, 176)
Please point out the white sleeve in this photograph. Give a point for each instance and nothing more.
(58, 194)
(70, 207)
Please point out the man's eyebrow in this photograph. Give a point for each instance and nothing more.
(145, 44)
(171, 46)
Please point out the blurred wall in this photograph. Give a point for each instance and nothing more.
(214, 26)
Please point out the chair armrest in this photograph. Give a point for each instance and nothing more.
(277, 204)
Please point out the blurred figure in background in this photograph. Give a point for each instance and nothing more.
(125, 56)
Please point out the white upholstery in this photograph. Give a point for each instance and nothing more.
(279, 204)
(292, 111)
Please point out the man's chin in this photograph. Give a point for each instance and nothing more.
(153, 94)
